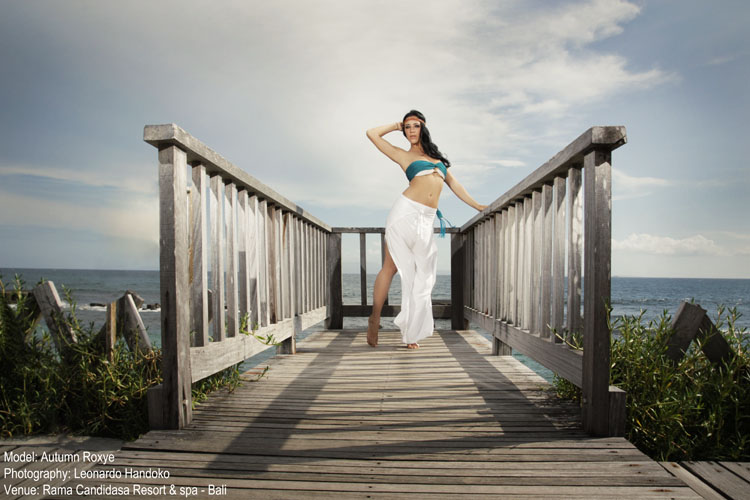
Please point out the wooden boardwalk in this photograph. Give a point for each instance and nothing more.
(342, 420)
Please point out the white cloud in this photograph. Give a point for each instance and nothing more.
(137, 220)
(627, 186)
(664, 245)
(90, 178)
(319, 73)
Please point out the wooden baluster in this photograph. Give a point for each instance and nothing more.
(575, 251)
(558, 258)
(243, 274)
(536, 317)
(198, 258)
(546, 263)
(217, 258)
(264, 287)
(254, 240)
(233, 324)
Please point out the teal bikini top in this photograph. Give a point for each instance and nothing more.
(416, 168)
(420, 165)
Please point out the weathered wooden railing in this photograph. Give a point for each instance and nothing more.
(266, 258)
(337, 309)
(278, 269)
(511, 279)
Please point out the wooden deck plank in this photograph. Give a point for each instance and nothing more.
(720, 478)
(342, 420)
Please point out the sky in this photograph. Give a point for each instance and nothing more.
(286, 89)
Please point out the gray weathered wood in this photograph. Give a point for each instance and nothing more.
(514, 217)
(536, 270)
(617, 411)
(220, 355)
(198, 257)
(133, 328)
(175, 292)
(558, 258)
(363, 268)
(439, 310)
(51, 309)
(604, 138)
(691, 322)
(575, 251)
(243, 276)
(263, 279)
(232, 295)
(355, 430)
(546, 264)
(253, 250)
(286, 275)
(528, 263)
(597, 276)
(217, 258)
(197, 152)
(335, 318)
(381, 230)
(685, 325)
(272, 261)
(457, 282)
(565, 362)
(110, 331)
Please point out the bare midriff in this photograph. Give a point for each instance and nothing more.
(425, 189)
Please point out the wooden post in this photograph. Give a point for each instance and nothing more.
(110, 331)
(133, 328)
(690, 322)
(597, 262)
(363, 267)
(458, 265)
(382, 258)
(51, 308)
(175, 295)
(335, 311)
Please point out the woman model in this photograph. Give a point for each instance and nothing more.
(410, 245)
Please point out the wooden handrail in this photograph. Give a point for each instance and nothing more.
(267, 268)
(513, 276)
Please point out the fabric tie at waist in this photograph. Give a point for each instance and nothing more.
(443, 221)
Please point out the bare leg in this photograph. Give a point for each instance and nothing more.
(379, 294)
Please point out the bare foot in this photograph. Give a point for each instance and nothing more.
(372, 331)
(412, 346)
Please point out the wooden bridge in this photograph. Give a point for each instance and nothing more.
(336, 418)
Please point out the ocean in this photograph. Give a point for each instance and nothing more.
(91, 289)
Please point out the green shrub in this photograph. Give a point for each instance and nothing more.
(690, 410)
(84, 392)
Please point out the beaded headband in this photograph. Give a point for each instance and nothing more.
(412, 117)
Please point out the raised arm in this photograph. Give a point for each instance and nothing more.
(461, 192)
(393, 152)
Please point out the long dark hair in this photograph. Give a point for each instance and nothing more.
(425, 140)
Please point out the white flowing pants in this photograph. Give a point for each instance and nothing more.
(409, 235)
